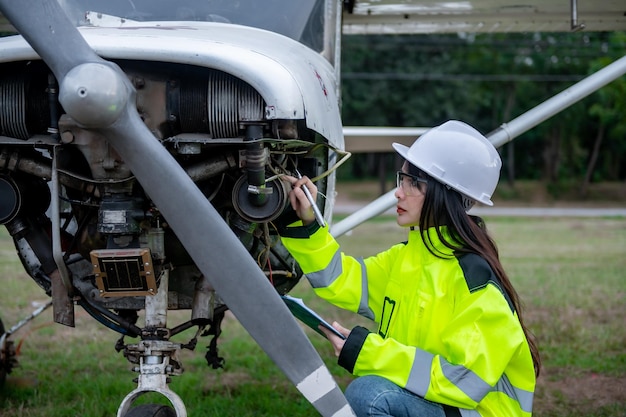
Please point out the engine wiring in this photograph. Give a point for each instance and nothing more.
(345, 155)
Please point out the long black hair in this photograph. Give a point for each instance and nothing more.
(444, 206)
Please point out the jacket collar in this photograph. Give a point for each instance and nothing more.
(432, 241)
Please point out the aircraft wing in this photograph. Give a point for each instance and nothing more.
(421, 17)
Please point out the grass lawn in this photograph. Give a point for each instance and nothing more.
(569, 272)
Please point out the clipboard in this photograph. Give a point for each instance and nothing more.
(308, 316)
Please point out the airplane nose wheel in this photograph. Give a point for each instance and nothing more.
(157, 360)
(151, 410)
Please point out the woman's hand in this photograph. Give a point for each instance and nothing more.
(335, 340)
(298, 199)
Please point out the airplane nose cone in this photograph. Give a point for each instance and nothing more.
(93, 94)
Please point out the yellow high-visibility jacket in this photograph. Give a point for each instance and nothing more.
(446, 330)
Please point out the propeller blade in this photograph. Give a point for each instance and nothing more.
(35, 21)
(98, 95)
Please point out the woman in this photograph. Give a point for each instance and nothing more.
(451, 340)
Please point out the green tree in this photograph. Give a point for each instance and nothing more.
(608, 112)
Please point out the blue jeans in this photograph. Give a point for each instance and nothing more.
(376, 396)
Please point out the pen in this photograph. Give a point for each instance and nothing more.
(316, 210)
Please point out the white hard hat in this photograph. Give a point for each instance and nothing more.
(459, 156)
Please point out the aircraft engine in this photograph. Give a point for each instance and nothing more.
(216, 127)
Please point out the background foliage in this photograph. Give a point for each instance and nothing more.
(487, 80)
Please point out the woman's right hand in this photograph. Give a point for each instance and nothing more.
(298, 199)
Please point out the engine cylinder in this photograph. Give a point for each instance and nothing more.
(24, 106)
(213, 102)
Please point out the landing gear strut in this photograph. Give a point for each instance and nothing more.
(157, 360)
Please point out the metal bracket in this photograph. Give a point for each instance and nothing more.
(575, 26)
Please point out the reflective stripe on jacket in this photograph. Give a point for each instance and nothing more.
(446, 330)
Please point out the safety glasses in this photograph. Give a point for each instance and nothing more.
(409, 183)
